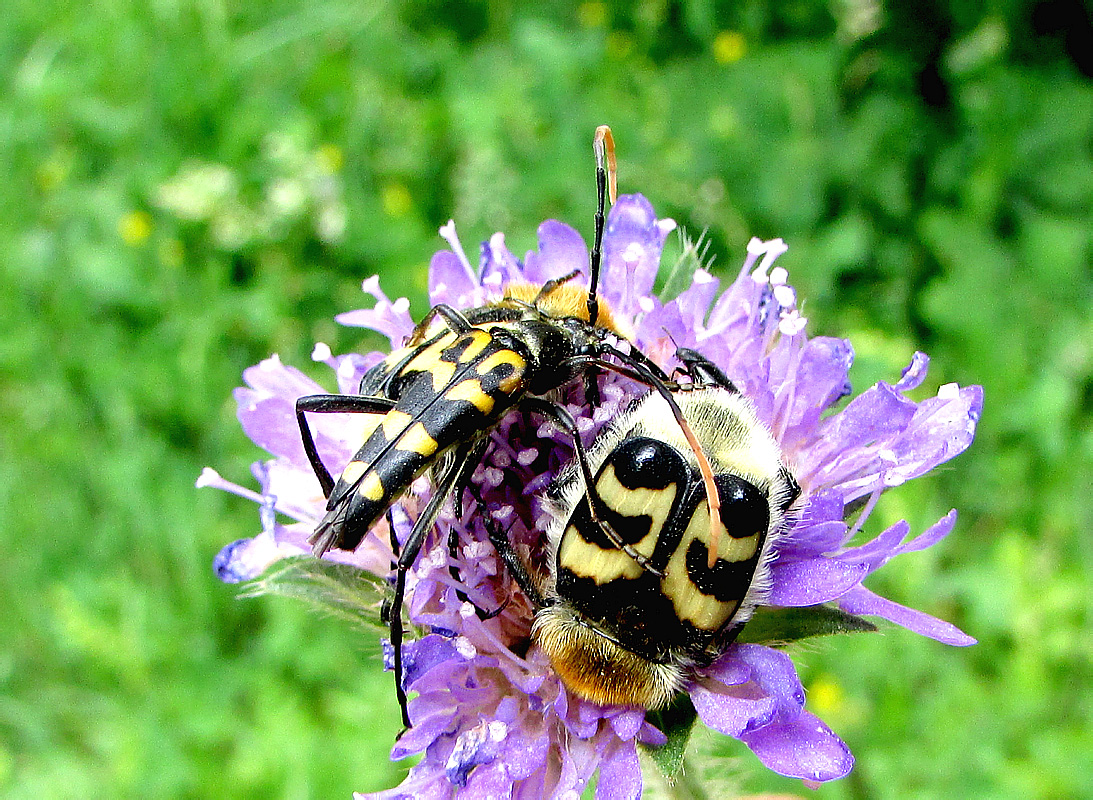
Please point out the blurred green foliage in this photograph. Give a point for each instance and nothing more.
(192, 186)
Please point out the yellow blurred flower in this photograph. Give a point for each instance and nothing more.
(729, 47)
(825, 696)
(592, 14)
(135, 227)
(396, 199)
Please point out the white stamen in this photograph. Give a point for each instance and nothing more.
(785, 295)
(447, 232)
(463, 645)
(949, 391)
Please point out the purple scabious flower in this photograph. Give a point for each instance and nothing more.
(490, 718)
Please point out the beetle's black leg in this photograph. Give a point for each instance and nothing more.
(465, 485)
(332, 404)
(456, 322)
(409, 554)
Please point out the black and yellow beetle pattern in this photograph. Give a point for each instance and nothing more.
(433, 404)
(448, 388)
(622, 633)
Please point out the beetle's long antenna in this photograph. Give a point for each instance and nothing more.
(606, 183)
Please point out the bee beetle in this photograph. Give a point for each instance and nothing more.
(433, 403)
(618, 632)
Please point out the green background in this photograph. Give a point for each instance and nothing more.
(190, 186)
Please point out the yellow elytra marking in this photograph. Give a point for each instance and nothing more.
(396, 356)
(442, 372)
(512, 382)
(353, 471)
(394, 423)
(703, 611)
(500, 357)
(427, 358)
(479, 339)
(471, 391)
(417, 440)
(589, 560)
(371, 487)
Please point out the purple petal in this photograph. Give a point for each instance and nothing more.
(932, 535)
(802, 747)
(734, 708)
(474, 748)
(684, 316)
(245, 559)
(499, 265)
(876, 552)
(391, 319)
(627, 724)
(524, 755)
(620, 774)
(422, 655)
(847, 445)
(632, 245)
(812, 581)
(862, 601)
(449, 280)
(652, 736)
(561, 250)
(819, 379)
(914, 373)
(810, 540)
(942, 428)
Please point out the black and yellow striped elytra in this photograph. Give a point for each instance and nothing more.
(620, 633)
(449, 390)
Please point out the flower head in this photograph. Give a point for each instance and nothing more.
(489, 716)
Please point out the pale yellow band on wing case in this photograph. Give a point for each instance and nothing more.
(371, 488)
(703, 611)
(587, 560)
(353, 471)
(592, 561)
(417, 440)
(471, 391)
(479, 340)
(394, 423)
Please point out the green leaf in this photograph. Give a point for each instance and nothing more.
(339, 589)
(676, 721)
(692, 257)
(777, 626)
